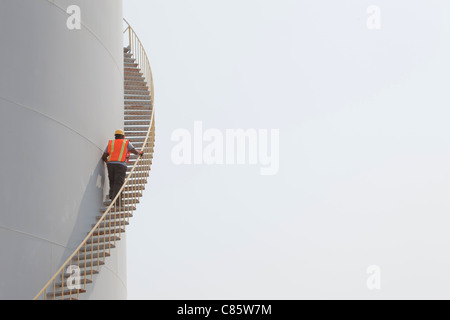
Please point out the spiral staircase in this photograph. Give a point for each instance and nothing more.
(80, 269)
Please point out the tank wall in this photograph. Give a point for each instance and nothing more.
(61, 99)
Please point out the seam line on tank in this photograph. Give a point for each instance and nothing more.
(32, 236)
(48, 117)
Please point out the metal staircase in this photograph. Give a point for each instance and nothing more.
(79, 270)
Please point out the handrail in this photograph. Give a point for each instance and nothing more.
(119, 209)
(135, 46)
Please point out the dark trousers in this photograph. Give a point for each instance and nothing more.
(116, 174)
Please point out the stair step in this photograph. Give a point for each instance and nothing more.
(139, 94)
(138, 186)
(137, 118)
(101, 232)
(134, 140)
(131, 64)
(138, 111)
(115, 216)
(66, 293)
(107, 224)
(143, 106)
(134, 112)
(137, 122)
(141, 91)
(90, 256)
(137, 102)
(131, 194)
(139, 82)
(134, 81)
(126, 194)
(96, 246)
(125, 199)
(132, 71)
(137, 180)
(134, 102)
(143, 129)
(136, 128)
(139, 169)
(129, 134)
(102, 239)
(83, 280)
(118, 222)
(119, 209)
(136, 97)
(130, 67)
(136, 134)
(131, 80)
(137, 88)
(133, 77)
(135, 85)
(142, 175)
(92, 263)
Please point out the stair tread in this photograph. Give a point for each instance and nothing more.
(103, 239)
(115, 216)
(91, 254)
(66, 293)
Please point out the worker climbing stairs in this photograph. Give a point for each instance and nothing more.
(78, 273)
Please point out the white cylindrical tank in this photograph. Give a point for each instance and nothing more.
(61, 99)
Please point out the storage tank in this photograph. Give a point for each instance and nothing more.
(61, 99)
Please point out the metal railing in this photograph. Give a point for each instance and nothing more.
(136, 47)
(79, 269)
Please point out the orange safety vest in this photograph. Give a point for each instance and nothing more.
(118, 150)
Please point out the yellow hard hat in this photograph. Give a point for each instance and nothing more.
(119, 132)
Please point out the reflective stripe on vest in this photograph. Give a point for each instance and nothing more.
(118, 150)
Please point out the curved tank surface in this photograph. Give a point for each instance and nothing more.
(61, 99)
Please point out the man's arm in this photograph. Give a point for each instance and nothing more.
(136, 152)
(105, 157)
(132, 150)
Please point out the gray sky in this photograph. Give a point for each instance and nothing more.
(364, 159)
